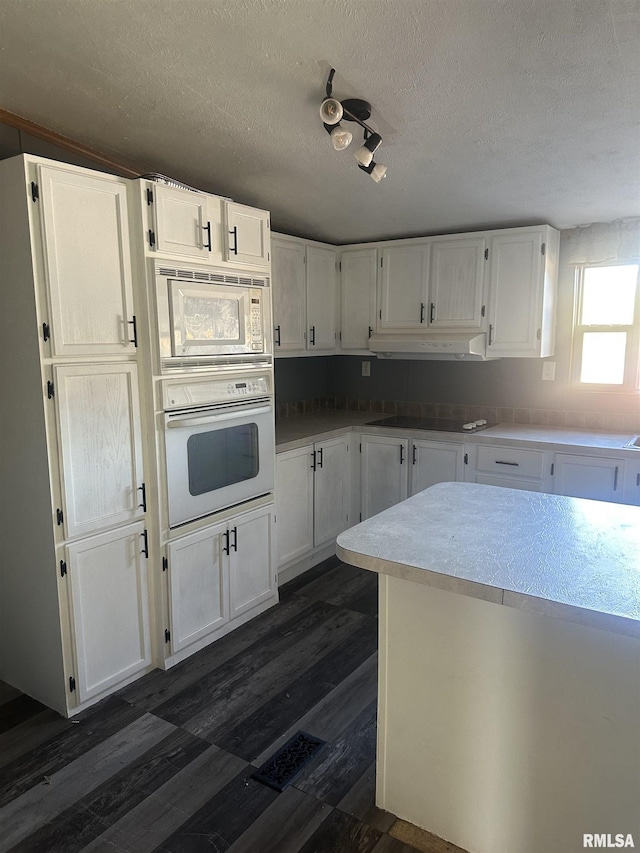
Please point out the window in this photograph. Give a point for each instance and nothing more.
(607, 328)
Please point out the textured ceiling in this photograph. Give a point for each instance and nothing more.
(494, 112)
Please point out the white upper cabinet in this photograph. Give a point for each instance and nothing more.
(289, 295)
(186, 223)
(358, 271)
(522, 292)
(404, 288)
(100, 446)
(304, 296)
(87, 262)
(456, 283)
(247, 236)
(321, 298)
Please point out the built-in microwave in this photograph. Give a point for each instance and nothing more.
(211, 317)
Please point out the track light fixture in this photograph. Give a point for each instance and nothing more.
(333, 111)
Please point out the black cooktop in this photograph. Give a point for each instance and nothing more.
(442, 424)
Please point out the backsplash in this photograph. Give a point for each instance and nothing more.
(617, 422)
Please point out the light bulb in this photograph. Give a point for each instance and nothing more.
(364, 155)
(341, 138)
(378, 172)
(331, 111)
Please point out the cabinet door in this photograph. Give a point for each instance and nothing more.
(384, 473)
(515, 294)
(252, 560)
(87, 262)
(198, 592)
(358, 272)
(289, 298)
(456, 283)
(100, 445)
(109, 607)
(632, 483)
(248, 236)
(403, 288)
(435, 462)
(321, 298)
(187, 223)
(589, 477)
(294, 503)
(332, 489)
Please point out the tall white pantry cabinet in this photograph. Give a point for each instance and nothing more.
(74, 597)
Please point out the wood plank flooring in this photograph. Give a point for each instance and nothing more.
(165, 764)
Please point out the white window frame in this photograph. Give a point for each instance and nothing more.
(631, 377)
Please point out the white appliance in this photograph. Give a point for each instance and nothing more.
(469, 346)
(211, 318)
(219, 442)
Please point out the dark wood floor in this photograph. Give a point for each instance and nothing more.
(166, 763)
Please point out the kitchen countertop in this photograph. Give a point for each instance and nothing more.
(574, 559)
(297, 430)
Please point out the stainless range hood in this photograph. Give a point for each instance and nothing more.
(443, 346)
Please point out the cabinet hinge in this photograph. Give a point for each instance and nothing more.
(46, 332)
(482, 311)
(268, 224)
(486, 254)
(63, 568)
(380, 313)
(35, 192)
(381, 259)
(268, 256)
(72, 684)
(59, 517)
(165, 564)
(539, 334)
(50, 389)
(360, 516)
(543, 248)
(553, 467)
(149, 196)
(340, 265)
(340, 338)
(167, 635)
(360, 447)
(152, 238)
(466, 458)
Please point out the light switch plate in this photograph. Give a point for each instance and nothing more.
(549, 370)
(366, 368)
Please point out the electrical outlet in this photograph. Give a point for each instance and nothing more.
(549, 370)
(366, 368)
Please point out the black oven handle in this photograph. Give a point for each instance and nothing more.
(216, 416)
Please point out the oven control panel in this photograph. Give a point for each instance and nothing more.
(188, 393)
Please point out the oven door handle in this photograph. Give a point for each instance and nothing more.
(214, 418)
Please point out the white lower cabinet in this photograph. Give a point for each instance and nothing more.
(385, 474)
(511, 467)
(632, 482)
(313, 496)
(435, 462)
(109, 609)
(218, 574)
(198, 586)
(589, 477)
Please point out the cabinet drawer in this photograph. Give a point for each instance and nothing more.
(510, 461)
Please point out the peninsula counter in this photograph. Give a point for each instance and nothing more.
(509, 694)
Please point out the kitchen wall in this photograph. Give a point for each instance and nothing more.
(514, 386)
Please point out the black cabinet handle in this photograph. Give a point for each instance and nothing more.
(312, 335)
(143, 489)
(490, 334)
(615, 479)
(320, 459)
(134, 323)
(422, 312)
(225, 547)
(145, 538)
(278, 334)
(370, 331)
(432, 311)
(207, 228)
(234, 248)
(234, 544)
(515, 464)
(414, 458)
(401, 455)
(313, 460)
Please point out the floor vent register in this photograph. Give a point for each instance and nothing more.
(279, 771)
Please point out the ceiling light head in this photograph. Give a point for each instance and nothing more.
(376, 170)
(364, 155)
(331, 111)
(340, 137)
